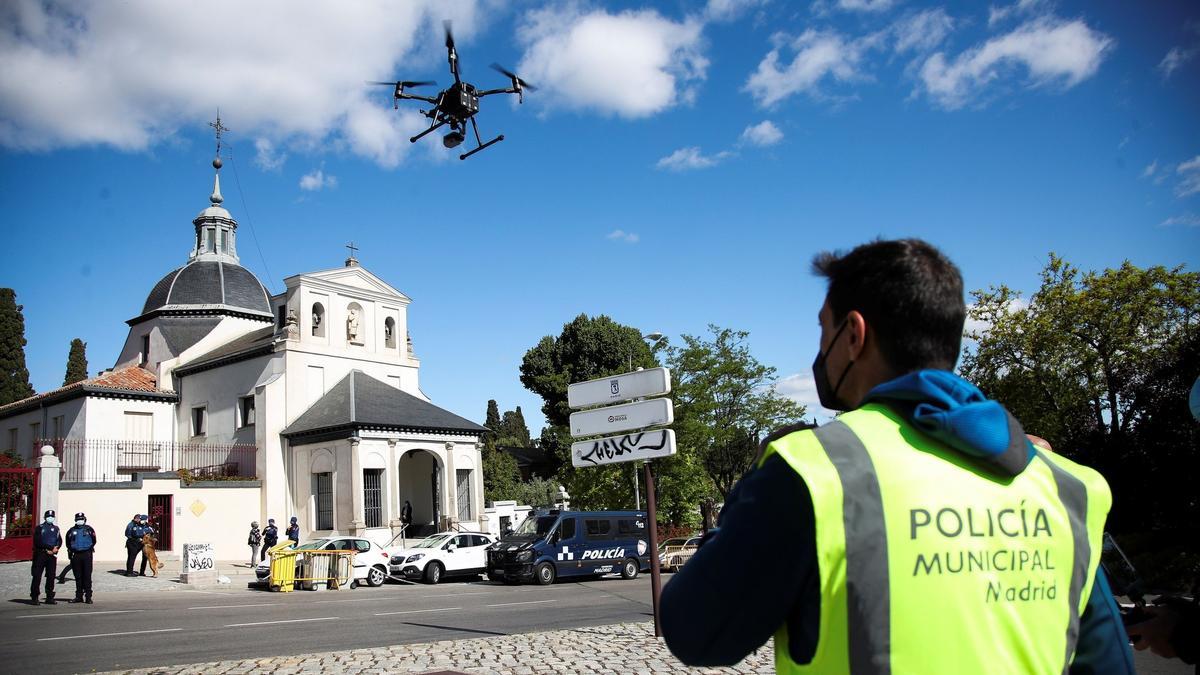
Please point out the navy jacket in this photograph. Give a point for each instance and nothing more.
(76, 538)
(47, 537)
(721, 606)
(271, 535)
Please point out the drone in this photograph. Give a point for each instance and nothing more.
(458, 104)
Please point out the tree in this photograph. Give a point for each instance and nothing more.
(725, 403)
(491, 421)
(77, 367)
(500, 472)
(587, 348)
(513, 431)
(14, 376)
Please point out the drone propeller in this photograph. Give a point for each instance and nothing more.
(452, 53)
(518, 84)
(404, 84)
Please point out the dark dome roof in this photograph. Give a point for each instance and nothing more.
(209, 283)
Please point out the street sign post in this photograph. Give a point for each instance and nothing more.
(619, 388)
(654, 412)
(631, 447)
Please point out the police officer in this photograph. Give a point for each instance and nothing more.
(270, 537)
(133, 543)
(81, 544)
(145, 528)
(46, 542)
(920, 531)
(293, 531)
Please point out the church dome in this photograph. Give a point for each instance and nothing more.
(209, 284)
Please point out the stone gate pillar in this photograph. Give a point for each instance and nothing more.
(49, 471)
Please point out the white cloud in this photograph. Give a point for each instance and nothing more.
(980, 327)
(865, 5)
(1176, 58)
(820, 55)
(924, 31)
(623, 236)
(268, 157)
(1189, 183)
(633, 63)
(763, 134)
(685, 159)
(1187, 220)
(802, 388)
(1021, 7)
(1051, 50)
(727, 10)
(1150, 169)
(131, 74)
(317, 179)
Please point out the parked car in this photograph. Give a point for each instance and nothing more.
(675, 552)
(370, 560)
(446, 554)
(572, 544)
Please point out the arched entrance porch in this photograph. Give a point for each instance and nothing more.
(419, 482)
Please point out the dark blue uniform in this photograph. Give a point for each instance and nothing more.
(293, 532)
(46, 541)
(133, 545)
(270, 538)
(81, 544)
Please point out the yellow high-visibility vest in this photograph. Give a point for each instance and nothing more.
(928, 563)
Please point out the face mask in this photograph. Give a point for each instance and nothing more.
(829, 399)
(80, 522)
(50, 519)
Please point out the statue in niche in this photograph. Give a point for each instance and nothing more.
(352, 324)
(408, 340)
(387, 332)
(316, 323)
(291, 326)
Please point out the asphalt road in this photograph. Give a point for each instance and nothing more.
(132, 630)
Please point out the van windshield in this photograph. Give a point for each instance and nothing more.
(536, 526)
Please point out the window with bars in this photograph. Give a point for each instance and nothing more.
(464, 494)
(323, 490)
(373, 497)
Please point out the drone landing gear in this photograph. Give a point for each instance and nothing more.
(479, 141)
(425, 133)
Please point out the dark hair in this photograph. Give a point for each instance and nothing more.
(910, 294)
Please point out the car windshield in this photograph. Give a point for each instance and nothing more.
(432, 542)
(311, 545)
(537, 526)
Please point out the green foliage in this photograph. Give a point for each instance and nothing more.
(14, 376)
(77, 365)
(725, 401)
(587, 348)
(501, 477)
(1100, 364)
(538, 493)
(491, 421)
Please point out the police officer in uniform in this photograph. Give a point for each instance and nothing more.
(293, 531)
(270, 537)
(918, 532)
(81, 544)
(46, 541)
(133, 544)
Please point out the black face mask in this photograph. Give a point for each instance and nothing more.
(829, 399)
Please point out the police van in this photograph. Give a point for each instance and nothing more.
(573, 544)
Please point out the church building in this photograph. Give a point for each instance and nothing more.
(229, 404)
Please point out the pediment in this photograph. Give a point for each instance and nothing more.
(356, 278)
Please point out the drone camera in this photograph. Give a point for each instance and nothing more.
(452, 139)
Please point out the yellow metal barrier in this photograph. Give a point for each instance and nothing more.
(332, 568)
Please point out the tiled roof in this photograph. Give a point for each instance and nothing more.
(127, 380)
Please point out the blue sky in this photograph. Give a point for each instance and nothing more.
(679, 165)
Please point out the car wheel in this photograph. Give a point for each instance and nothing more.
(494, 577)
(630, 569)
(353, 584)
(545, 574)
(376, 576)
(433, 572)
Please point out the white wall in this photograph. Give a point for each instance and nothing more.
(106, 417)
(218, 515)
(74, 420)
(220, 390)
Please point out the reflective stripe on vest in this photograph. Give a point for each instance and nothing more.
(897, 603)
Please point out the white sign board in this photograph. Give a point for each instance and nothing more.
(199, 563)
(617, 388)
(633, 446)
(654, 412)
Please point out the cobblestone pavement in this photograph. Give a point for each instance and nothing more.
(15, 578)
(626, 648)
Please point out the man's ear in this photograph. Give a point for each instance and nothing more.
(856, 326)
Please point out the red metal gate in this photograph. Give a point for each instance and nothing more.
(18, 513)
(160, 511)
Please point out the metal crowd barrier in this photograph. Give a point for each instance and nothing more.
(311, 569)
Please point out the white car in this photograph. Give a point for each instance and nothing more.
(370, 560)
(441, 555)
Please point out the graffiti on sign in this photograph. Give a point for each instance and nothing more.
(619, 446)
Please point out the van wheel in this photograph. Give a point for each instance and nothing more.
(630, 569)
(433, 572)
(494, 577)
(545, 574)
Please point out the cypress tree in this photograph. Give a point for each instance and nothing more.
(492, 422)
(14, 376)
(76, 362)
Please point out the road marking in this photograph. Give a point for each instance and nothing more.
(264, 623)
(418, 611)
(332, 602)
(529, 602)
(453, 595)
(109, 611)
(132, 632)
(264, 604)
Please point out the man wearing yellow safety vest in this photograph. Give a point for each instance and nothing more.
(919, 532)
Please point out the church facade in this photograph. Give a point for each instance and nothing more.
(314, 392)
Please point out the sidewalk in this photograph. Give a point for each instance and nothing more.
(108, 576)
(627, 648)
